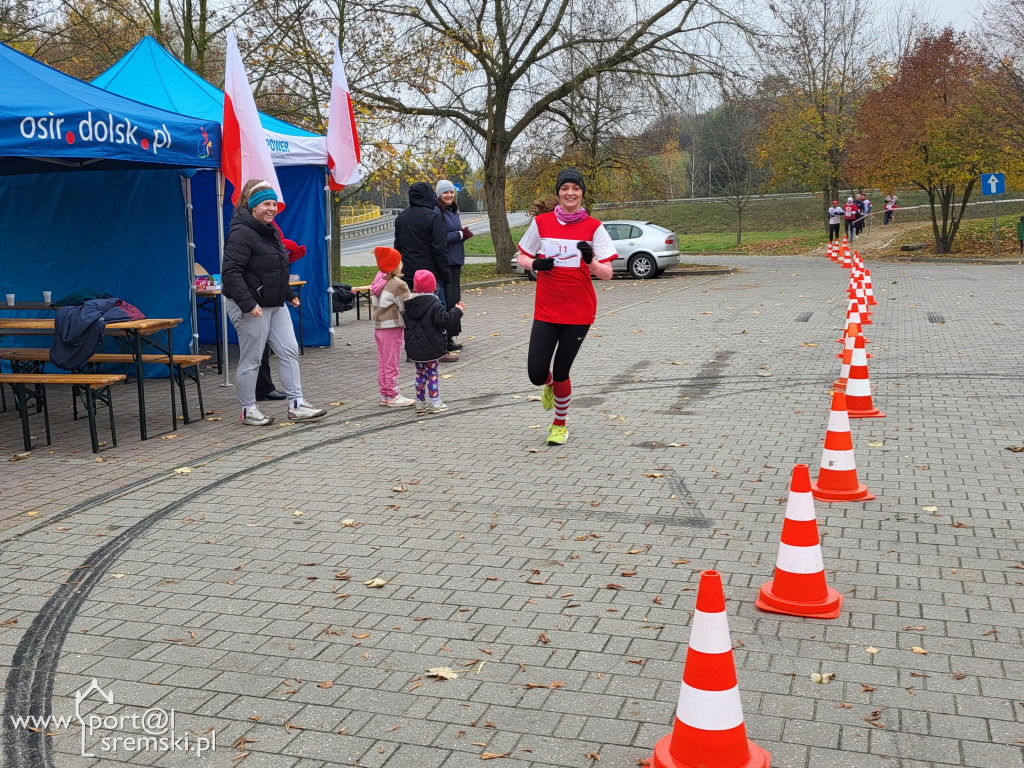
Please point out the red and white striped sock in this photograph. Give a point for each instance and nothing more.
(563, 394)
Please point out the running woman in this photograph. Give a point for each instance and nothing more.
(565, 246)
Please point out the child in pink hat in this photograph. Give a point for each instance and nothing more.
(427, 328)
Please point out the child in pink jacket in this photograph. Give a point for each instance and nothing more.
(388, 293)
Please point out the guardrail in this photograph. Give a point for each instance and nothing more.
(355, 214)
(380, 224)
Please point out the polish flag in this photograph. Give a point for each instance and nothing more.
(244, 151)
(342, 139)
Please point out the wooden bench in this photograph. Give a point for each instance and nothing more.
(93, 388)
(184, 365)
(363, 292)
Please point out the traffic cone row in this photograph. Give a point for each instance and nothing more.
(709, 730)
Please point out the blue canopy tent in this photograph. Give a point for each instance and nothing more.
(94, 191)
(150, 74)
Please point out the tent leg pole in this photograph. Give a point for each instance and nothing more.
(329, 237)
(194, 346)
(223, 319)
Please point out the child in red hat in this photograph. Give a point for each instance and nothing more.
(388, 294)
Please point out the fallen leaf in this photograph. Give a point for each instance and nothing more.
(342, 575)
(288, 726)
(535, 426)
(543, 638)
(680, 562)
(336, 403)
(865, 688)
(443, 673)
(844, 705)
(297, 513)
(592, 756)
(875, 445)
(447, 375)
(959, 524)
(326, 684)
(871, 649)
(33, 513)
(399, 489)
(822, 677)
(919, 649)
(492, 755)
(959, 675)
(375, 583)
(118, 575)
(654, 474)
(613, 586)
(930, 509)
(183, 470)
(361, 635)
(20, 456)
(914, 629)
(808, 344)
(533, 398)
(536, 450)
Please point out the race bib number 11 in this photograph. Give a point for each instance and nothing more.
(565, 255)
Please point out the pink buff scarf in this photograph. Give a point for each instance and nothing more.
(570, 218)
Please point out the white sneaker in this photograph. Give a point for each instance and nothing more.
(421, 406)
(437, 407)
(400, 401)
(255, 418)
(305, 411)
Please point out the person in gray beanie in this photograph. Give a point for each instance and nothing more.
(455, 236)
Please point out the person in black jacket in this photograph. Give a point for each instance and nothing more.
(420, 238)
(255, 279)
(427, 326)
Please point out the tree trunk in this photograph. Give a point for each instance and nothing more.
(495, 174)
(739, 226)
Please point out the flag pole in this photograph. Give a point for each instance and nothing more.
(329, 239)
(223, 319)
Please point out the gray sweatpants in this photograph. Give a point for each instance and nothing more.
(274, 326)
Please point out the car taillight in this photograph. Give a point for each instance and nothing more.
(669, 240)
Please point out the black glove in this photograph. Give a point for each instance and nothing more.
(586, 251)
(541, 264)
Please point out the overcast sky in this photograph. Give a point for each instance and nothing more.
(956, 12)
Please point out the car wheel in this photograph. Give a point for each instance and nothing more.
(531, 274)
(642, 266)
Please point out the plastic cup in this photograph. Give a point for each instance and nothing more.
(10, 299)
(47, 296)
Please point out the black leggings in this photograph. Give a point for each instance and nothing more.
(553, 339)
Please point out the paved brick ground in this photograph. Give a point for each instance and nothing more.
(208, 594)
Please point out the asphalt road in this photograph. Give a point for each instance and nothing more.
(358, 251)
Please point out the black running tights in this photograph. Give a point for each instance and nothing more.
(557, 340)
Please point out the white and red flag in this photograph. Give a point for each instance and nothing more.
(342, 139)
(245, 154)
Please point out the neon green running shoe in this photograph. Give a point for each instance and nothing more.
(557, 434)
(547, 397)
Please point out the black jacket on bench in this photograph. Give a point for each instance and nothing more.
(79, 330)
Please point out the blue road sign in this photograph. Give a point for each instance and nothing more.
(458, 187)
(993, 183)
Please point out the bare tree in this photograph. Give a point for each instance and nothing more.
(729, 142)
(490, 69)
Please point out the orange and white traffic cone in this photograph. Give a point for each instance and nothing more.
(709, 730)
(829, 253)
(799, 587)
(837, 479)
(868, 289)
(858, 385)
(852, 332)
